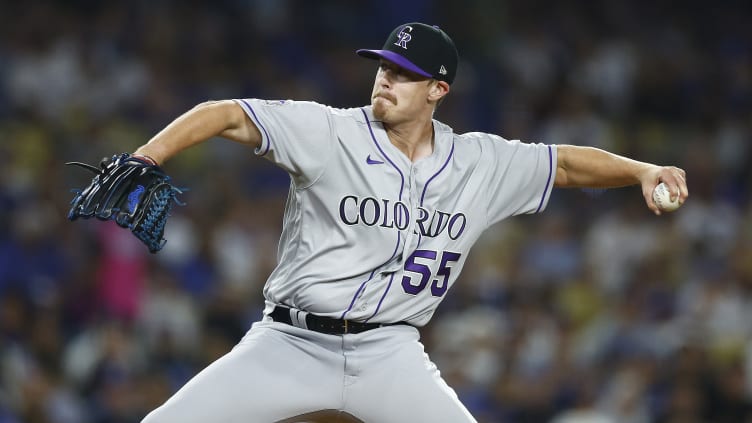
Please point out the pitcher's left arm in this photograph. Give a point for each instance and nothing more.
(591, 167)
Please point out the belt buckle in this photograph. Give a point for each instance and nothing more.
(346, 329)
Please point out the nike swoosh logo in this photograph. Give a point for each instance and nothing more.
(371, 161)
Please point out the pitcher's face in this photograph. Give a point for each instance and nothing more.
(398, 94)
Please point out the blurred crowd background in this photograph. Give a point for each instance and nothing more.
(593, 311)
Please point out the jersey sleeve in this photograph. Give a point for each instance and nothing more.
(521, 177)
(295, 135)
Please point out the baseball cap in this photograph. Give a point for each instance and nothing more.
(420, 48)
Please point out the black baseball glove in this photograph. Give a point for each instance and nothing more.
(131, 190)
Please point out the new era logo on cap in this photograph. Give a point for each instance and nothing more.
(420, 48)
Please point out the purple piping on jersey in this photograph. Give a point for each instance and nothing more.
(550, 172)
(373, 137)
(425, 187)
(420, 237)
(396, 247)
(389, 285)
(266, 134)
(352, 302)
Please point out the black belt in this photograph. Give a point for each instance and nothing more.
(323, 324)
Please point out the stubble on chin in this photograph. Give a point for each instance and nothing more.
(383, 107)
(379, 108)
(379, 112)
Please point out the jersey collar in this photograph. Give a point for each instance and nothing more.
(442, 146)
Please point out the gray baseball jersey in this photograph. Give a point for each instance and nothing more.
(369, 235)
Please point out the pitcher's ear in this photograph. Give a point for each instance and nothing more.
(438, 89)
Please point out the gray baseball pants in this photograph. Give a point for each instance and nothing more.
(278, 371)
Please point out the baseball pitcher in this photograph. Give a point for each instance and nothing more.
(384, 205)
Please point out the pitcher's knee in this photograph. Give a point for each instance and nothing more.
(160, 415)
(150, 418)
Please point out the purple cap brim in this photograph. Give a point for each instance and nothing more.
(395, 58)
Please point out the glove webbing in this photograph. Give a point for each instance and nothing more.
(155, 218)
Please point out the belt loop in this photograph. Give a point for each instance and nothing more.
(298, 318)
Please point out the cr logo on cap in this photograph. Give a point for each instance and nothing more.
(404, 36)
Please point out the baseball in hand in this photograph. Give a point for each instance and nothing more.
(662, 198)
